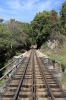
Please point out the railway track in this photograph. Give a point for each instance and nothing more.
(33, 81)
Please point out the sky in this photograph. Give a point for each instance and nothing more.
(25, 10)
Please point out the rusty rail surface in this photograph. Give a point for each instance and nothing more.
(44, 78)
(33, 78)
(22, 78)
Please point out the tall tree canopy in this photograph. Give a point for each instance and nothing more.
(43, 25)
(63, 14)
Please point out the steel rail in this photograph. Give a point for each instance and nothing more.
(21, 81)
(57, 81)
(33, 78)
(44, 78)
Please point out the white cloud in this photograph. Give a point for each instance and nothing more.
(2, 10)
(14, 4)
(31, 5)
(21, 5)
(26, 9)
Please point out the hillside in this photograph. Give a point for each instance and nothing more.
(56, 51)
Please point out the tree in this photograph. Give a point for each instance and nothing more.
(17, 33)
(5, 45)
(53, 16)
(41, 27)
(1, 20)
(63, 14)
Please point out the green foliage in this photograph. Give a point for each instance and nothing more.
(43, 25)
(5, 45)
(27, 34)
(63, 19)
(44, 46)
(1, 83)
(37, 26)
(47, 25)
(1, 20)
(63, 31)
(57, 57)
(12, 37)
(63, 79)
(57, 54)
(62, 39)
(63, 14)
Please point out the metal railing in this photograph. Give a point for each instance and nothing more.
(13, 64)
(9, 71)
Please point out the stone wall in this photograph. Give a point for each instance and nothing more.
(52, 44)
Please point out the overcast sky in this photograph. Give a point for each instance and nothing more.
(25, 10)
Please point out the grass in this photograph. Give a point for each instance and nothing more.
(59, 58)
(1, 83)
(63, 79)
(59, 55)
(17, 54)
